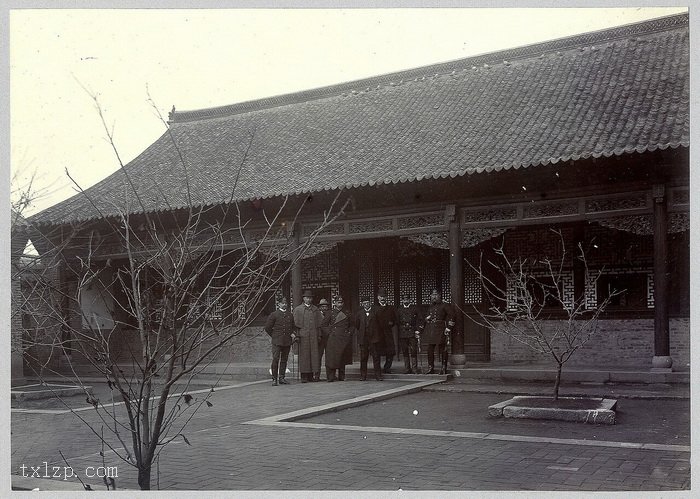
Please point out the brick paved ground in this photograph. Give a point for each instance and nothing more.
(310, 455)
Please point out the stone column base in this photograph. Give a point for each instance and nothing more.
(458, 361)
(661, 363)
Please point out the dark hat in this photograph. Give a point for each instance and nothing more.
(323, 302)
(364, 298)
(339, 298)
(381, 292)
(308, 293)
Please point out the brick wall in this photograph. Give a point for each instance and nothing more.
(251, 345)
(618, 343)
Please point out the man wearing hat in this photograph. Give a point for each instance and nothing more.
(339, 346)
(408, 333)
(363, 319)
(438, 326)
(383, 327)
(307, 321)
(324, 307)
(280, 327)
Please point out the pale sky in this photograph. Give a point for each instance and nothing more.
(195, 59)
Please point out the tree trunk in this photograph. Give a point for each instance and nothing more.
(145, 477)
(557, 382)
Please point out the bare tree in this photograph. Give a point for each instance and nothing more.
(185, 283)
(528, 301)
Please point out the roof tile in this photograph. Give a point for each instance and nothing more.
(596, 94)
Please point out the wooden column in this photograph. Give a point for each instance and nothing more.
(457, 357)
(296, 271)
(662, 358)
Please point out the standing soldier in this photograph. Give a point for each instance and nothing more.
(307, 321)
(438, 325)
(280, 327)
(383, 327)
(339, 346)
(363, 320)
(325, 328)
(408, 333)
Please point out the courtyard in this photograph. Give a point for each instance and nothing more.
(400, 434)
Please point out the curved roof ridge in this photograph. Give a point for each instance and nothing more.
(521, 52)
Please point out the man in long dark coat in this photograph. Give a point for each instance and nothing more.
(280, 327)
(383, 326)
(365, 342)
(409, 324)
(307, 321)
(339, 345)
(325, 328)
(438, 325)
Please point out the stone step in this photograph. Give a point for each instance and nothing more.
(571, 375)
(473, 372)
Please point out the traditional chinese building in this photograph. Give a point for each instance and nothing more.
(588, 135)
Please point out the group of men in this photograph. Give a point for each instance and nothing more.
(321, 329)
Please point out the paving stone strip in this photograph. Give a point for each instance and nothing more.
(344, 404)
(484, 436)
(115, 404)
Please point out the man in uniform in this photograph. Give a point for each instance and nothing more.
(307, 321)
(408, 333)
(383, 327)
(438, 325)
(339, 346)
(363, 320)
(280, 327)
(323, 337)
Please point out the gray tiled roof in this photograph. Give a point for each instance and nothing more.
(598, 94)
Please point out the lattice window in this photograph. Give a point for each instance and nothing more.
(320, 269)
(472, 285)
(445, 281)
(385, 274)
(428, 279)
(566, 287)
(366, 274)
(407, 284)
(214, 303)
(640, 281)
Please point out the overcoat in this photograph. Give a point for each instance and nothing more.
(439, 317)
(383, 322)
(409, 321)
(307, 321)
(325, 327)
(280, 326)
(339, 346)
(362, 321)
